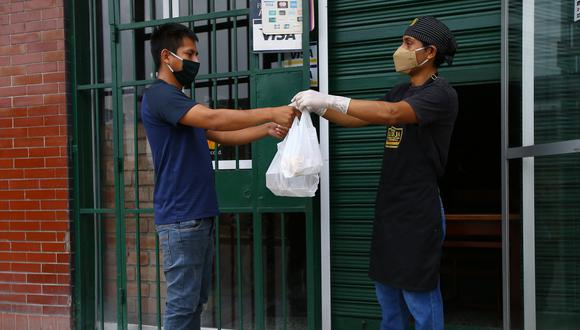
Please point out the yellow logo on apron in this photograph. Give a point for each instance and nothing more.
(394, 137)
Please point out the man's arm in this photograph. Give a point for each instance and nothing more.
(381, 112)
(231, 120)
(370, 112)
(247, 135)
(344, 120)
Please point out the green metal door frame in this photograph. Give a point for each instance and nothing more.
(88, 213)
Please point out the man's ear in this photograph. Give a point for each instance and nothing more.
(432, 52)
(164, 56)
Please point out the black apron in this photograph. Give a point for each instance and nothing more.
(407, 231)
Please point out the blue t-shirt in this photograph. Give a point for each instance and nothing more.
(185, 184)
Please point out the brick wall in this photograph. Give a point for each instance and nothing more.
(35, 281)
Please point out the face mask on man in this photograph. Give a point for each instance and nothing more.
(406, 60)
(188, 72)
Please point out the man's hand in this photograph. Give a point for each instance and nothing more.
(284, 116)
(277, 131)
(318, 103)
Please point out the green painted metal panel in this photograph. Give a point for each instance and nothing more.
(363, 37)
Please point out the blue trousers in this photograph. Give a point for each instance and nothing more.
(187, 264)
(397, 306)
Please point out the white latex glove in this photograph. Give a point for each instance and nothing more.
(318, 103)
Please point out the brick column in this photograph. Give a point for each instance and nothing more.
(35, 271)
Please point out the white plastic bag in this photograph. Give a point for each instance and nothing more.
(301, 155)
(299, 185)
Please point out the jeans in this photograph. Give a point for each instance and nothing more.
(187, 265)
(398, 305)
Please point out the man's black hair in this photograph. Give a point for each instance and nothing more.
(169, 36)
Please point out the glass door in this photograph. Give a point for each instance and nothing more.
(541, 164)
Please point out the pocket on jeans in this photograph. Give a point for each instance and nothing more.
(192, 225)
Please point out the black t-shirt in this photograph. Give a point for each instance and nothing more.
(407, 232)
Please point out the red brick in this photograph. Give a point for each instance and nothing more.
(41, 236)
(13, 70)
(6, 143)
(41, 194)
(24, 38)
(53, 34)
(11, 174)
(57, 55)
(61, 173)
(13, 153)
(24, 184)
(61, 215)
(13, 278)
(50, 24)
(63, 258)
(54, 247)
(63, 279)
(26, 288)
(56, 268)
(13, 132)
(54, 205)
(28, 122)
(41, 278)
(24, 205)
(40, 215)
(5, 104)
(12, 91)
(21, 321)
(57, 162)
(6, 123)
(38, 4)
(14, 298)
(42, 299)
(26, 267)
(27, 79)
(30, 309)
(11, 194)
(6, 163)
(42, 89)
(32, 15)
(43, 46)
(33, 26)
(55, 225)
(5, 267)
(53, 77)
(55, 310)
(39, 173)
(17, 28)
(41, 257)
(29, 162)
(43, 152)
(14, 111)
(54, 183)
(24, 225)
(12, 256)
(6, 81)
(54, 99)
(56, 12)
(12, 236)
(40, 68)
(13, 49)
(25, 246)
(29, 142)
(56, 120)
(43, 110)
(27, 100)
(56, 289)
(11, 215)
(27, 59)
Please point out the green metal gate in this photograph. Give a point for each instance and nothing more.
(362, 37)
(265, 273)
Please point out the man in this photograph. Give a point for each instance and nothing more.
(409, 226)
(185, 201)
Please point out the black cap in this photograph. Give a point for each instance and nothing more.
(430, 30)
